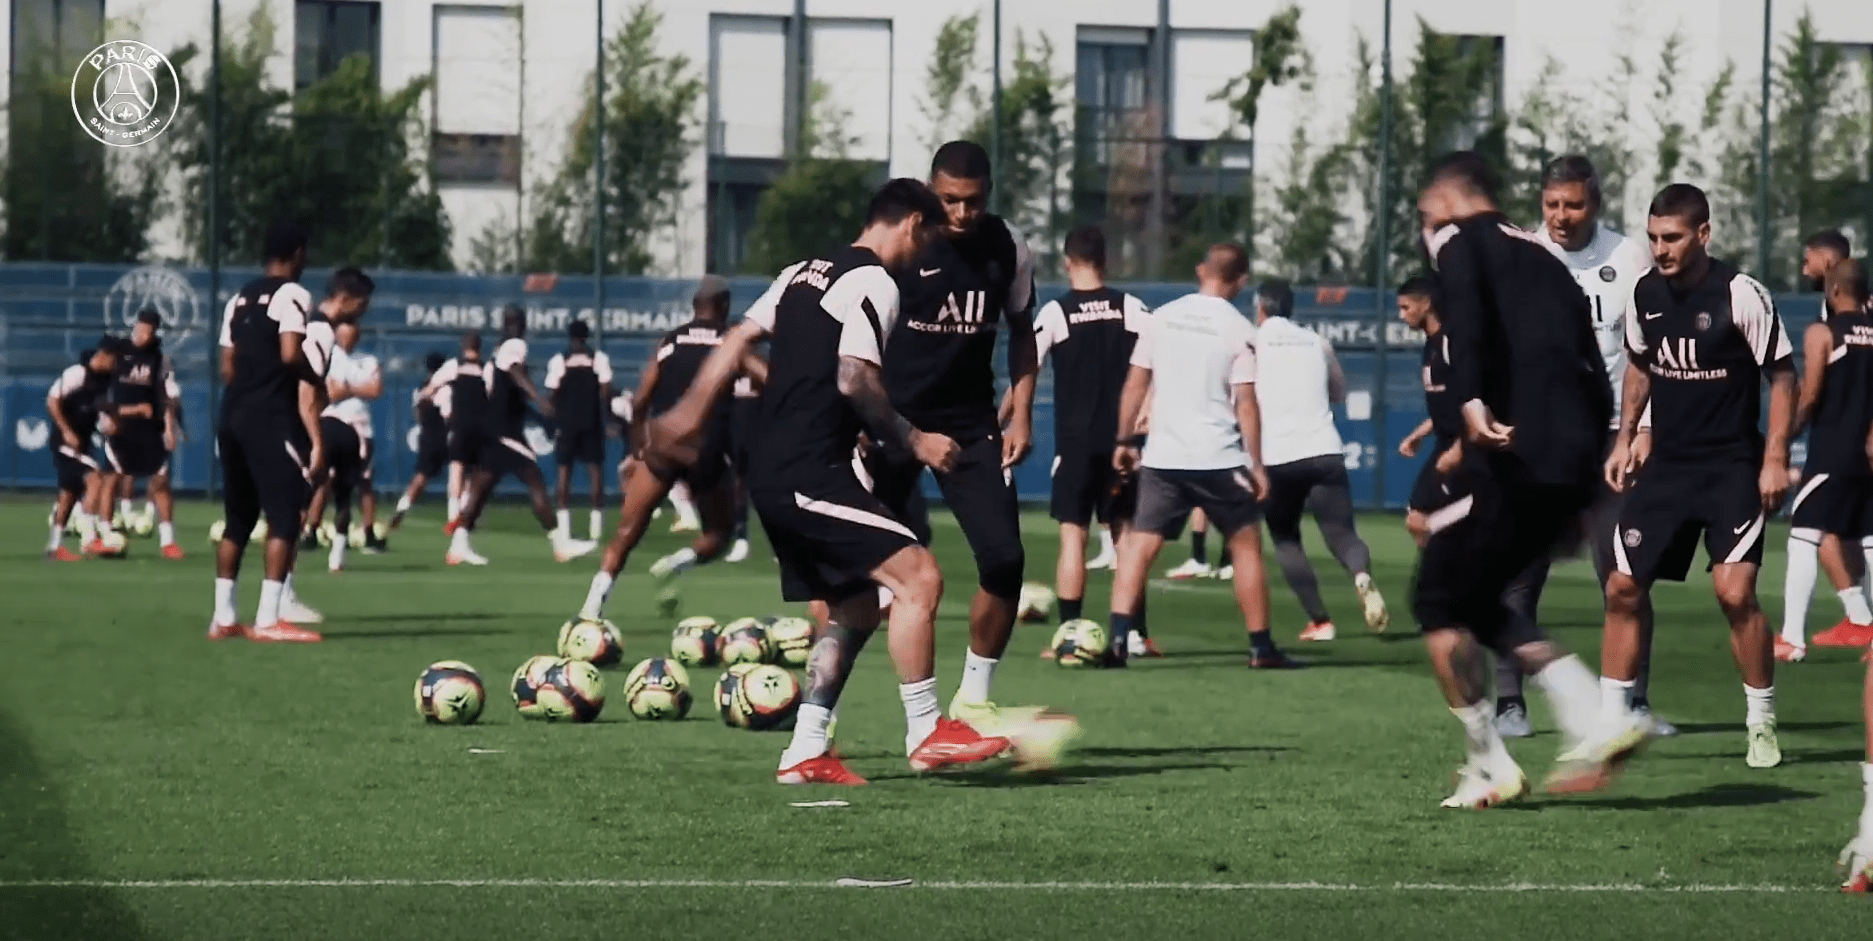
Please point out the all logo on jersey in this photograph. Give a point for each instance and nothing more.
(1678, 353)
(1607, 273)
(972, 309)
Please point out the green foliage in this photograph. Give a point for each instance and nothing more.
(344, 158)
(952, 98)
(1553, 121)
(1036, 148)
(651, 125)
(1280, 58)
(1305, 234)
(819, 201)
(68, 197)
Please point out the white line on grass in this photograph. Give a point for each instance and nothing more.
(1445, 887)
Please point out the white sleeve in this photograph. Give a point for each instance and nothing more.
(318, 347)
(1146, 345)
(1136, 314)
(1753, 312)
(290, 307)
(171, 388)
(601, 364)
(441, 378)
(227, 322)
(765, 306)
(1050, 327)
(555, 370)
(512, 352)
(1021, 290)
(1635, 336)
(69, 381)
(864, 300)
(1243, 366)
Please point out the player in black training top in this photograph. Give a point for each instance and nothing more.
(1438, 483)
(1834, 507)
(1700, 339)
(667, 375)
(966, 287)
(431, 404)
(141, 446)
(1526, 370)
(464, 377)
(830, 320)
(579, 381)
(1089, 334)
(77, 403)
(504, 449)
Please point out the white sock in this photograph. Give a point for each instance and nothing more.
(227, 611)
(598, 524)
(978, 674)
(166, 533)
(403, 504)
(682, 560)
(268, 614)
(1573, 696)
(149, 506)
(337, 559)
(1106, 546)
(58, 537)
(885, 597)
(1866, 555)
(455, 506)
(1855, 603)
(127, 509)
(458, 543)
(1615, 697)
(1866, 812)
(565, 522)
(1480, 740)
(1759, 705)
(1804, 565)
(920, 711)
(809, 735)
(596, 595)
(287, 594)
(87, 527)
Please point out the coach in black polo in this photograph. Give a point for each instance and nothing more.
(939, 369)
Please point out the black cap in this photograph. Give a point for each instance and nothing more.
(435, 360)
(580, 330)
(711, 293)
(151, 316)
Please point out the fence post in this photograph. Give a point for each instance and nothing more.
(598, 188)
(1382, 250)
(1763, 235)
(214, 241)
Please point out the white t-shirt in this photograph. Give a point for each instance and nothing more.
(1206, 348)
(352, 369)
(512, 352)
(1293, 370)
(1606, 270)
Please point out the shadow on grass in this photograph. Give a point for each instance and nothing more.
(392, 618)
(1065, 776)
(1699, 728)
(1716, 795)
(37, 844)
(415, 632)
(1186, 750)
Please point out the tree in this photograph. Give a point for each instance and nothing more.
(651, 129)
(820, 200)
(1036, 150)
(1306, 232)
(1278, 58)
(952, 99)
(343, 158)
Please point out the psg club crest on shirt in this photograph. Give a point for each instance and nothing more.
(1632, 538)
(1607, 273)
(1703, 321)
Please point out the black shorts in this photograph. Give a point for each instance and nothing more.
(1290, 485)
(1166, 497)
(829, 536)
(73, 466)
(579, 446)
(137, 453)
(1838, 504)
(432, 451)
(1671, 505)
(1085, 485)
(1485, 542)
(264, 469)
(348, 454)
(744, 417)
(982, 497)
(1432, 490)
(503, 454)
(465, 445)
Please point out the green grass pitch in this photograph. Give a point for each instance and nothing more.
(180, 789)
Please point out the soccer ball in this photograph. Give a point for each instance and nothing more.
(765, 698)
(327, 534)
(693, 642)
(449, 693)
(725, 686)
(356, 536)
(657, 689)
(216, 530)
(792, 639)
(527, 682)
(573, 689)
(1036, 604)
(114, 543)
(596, 642)
(744, 641)
(143, 524)
(1080, 643)
(260, 531)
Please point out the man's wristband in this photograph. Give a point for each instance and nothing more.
(1135, 441)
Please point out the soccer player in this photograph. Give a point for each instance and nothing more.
(580, 382)
(1532, 389)
(504, 449)
(966, 287)
(1197, 359)
(1606, 265)
(1436, 485)
(274, 354)
(77, 403)
(467, 383)
(1820, 252)
(667, 376)
(1198, 565)
(1089, 334)
(352, 382)
(142, 446)
(829, 321)
(1834, 507)
(432, 437)
(1857, 859)
(744, 423)
(1702, 338)
(1298, 380)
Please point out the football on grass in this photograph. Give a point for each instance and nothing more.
(725, 686)
(596, 642)
(765, 698)
(657, 689)
(792, 639)
(573, 691)
(450, 693)
(694, 640)
(1080, 643)
(744, 641)
(1036, 603)
(527, 682)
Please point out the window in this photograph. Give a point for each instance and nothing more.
(477, 73)
(327, 32)
(1111, 90)
(50, 36)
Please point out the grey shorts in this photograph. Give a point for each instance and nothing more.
(1166, 497)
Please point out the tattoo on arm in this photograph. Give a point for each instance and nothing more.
(862, 383)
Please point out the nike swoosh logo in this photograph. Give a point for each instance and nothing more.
(929, 272)
(1654, 316)
(1739, 530)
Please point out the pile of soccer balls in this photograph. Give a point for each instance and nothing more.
(755, 690)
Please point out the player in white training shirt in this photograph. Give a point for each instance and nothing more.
(1606, 265)
(353, 382)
